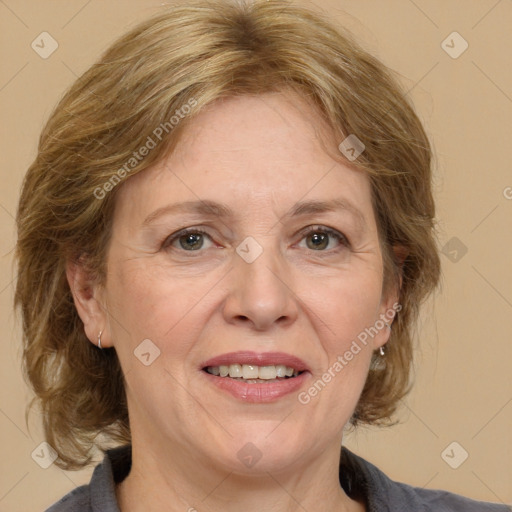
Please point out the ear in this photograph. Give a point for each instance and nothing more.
(89, 303)
(390, 302)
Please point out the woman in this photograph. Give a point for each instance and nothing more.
(224, 242)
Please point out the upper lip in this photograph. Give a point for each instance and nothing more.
(257, 359)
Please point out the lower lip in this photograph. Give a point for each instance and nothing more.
(258, 393)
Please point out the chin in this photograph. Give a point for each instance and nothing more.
(261, 448)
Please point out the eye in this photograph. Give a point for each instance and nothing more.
(191, 239)
(320, 238)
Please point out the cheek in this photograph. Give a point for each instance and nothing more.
(344, 305)
(148, 303)
(340, 313)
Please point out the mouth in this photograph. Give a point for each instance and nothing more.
(253, 377)
(253, 374)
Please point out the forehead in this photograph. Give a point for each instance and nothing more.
(273, 128)
(252, 151)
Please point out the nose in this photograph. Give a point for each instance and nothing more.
(261, 295)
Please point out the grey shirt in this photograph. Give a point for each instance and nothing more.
(358, 478)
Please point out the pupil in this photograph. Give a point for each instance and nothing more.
(319, 241)
(192, 241)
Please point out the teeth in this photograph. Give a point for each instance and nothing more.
(267, 372)
(280, 370)
(235, 370)
(249, 371)
(252, 373)
(214, 370)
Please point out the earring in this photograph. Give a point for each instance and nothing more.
(99, 339)
(381, 351)
(388, 325)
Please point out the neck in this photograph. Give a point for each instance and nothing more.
(173, 481)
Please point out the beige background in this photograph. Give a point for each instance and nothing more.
(463, 387)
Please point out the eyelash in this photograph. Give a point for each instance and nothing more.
(167, 244)
(187, 231)
(328, 231)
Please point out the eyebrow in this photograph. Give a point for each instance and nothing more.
(215, 209)
(206, 207)
(312, 207)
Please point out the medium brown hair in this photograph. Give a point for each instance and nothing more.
(196, 53)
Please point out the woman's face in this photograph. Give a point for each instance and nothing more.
(281, 266)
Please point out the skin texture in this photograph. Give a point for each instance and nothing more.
(259, 156)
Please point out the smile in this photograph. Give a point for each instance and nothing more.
(253, 374)
(256, 377)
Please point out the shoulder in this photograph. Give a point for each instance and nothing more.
(100, 493)
(447, 501)
(384, 494)
(77, 500)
